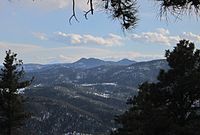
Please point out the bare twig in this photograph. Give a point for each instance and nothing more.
(91, 9)
(73, 12)
(124, 10)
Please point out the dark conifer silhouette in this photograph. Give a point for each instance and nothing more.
(170, 106)
(179, 7)
(12, 113)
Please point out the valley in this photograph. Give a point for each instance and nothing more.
(67, 98)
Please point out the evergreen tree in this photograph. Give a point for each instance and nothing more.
(170, 106)
(12, 113)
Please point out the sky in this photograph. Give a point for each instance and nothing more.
(40, 32)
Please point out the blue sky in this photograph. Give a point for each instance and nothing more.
(40, 32)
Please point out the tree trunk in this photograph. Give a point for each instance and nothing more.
(9, 117)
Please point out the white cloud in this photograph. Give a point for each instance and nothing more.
(27, 52)
(97, 53)
(41, 36)
(191, 36)
(163, 37)
(74, 38)
(51, 4)
(110, 40)
(133, 55)
(163, 31)
(36, 54)
(160, 36)
(18, 47)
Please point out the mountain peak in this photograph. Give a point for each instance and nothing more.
(88, 63)
(82, 59)
(88, 60)
(125, 61)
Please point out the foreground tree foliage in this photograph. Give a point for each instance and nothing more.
(179, 7)
(126, 10)
(170, 106)
(123, 10)
(12, 113)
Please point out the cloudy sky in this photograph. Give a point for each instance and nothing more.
(40, 32)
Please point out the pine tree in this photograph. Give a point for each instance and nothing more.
(12, 113)
(170, 106)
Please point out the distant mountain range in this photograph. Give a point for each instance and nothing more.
(84, 96)
(92, 62)
(124, 72)
(83, 63)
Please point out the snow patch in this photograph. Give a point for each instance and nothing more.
(94, 84)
